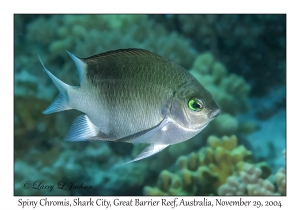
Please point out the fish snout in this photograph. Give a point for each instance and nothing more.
(214, 113)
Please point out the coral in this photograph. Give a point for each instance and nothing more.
(38, 138)
(281, 178)
(234, 38)
(169, 184)
(88, 164)
(252, 181)
(229, 90)
(247, 183)
(281, 181)
(247, 127)
(27, 182)
(29, 85)
(202, 172)
(87, 35)
(225, 124)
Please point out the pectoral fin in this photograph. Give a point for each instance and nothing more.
(144, 137)
(148, 151)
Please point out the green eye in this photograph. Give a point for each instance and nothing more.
(195, 105)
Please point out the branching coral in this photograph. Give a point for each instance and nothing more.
(202, 172)
(247, 183)
(250, 181)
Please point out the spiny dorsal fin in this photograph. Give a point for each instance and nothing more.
(123, 52)
(80, 65)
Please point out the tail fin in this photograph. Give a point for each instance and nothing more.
(61, 101)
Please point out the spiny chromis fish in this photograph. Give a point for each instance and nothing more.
(134, 96)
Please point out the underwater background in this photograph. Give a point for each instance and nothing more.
(240, 59)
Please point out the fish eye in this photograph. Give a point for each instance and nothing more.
(195, 104)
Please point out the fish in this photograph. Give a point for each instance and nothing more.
(134, 96)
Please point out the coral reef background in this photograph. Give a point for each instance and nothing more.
(240, 59)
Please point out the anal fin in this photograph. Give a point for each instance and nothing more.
(148, 151)
(82, 129)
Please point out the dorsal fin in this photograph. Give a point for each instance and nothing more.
(80, 65)
(123, 52)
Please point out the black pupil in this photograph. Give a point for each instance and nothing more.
(196, 105)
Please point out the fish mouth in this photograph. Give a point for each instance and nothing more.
(213, 114)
